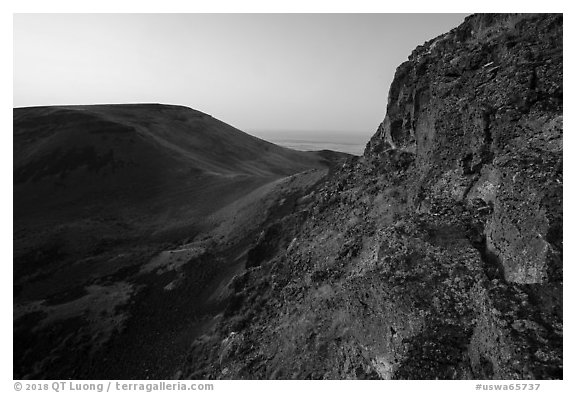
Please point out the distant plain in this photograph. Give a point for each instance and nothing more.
(345, 142)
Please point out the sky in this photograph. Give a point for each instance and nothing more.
(321, 73)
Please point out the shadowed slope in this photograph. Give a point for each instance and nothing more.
(99, 191)
(131, 153)
(84, 175)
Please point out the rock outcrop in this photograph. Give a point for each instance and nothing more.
(480, 109)
(436, 255)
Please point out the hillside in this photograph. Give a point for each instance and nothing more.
(132, 153)
(142, 170)
(436, 255)
(103, 196)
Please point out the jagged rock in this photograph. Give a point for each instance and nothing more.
(500, 116)
(437, 255)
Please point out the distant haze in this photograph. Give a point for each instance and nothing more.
(262, 73)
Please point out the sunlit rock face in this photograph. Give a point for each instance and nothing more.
(436, 255)
(480, 108)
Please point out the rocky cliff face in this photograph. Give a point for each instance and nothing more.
(480, 110)
(436, 255)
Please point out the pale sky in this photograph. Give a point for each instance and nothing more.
(264, 72)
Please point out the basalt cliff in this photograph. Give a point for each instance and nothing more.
(437, 254)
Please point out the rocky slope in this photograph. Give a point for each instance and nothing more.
(436, 255)
(123, 215)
